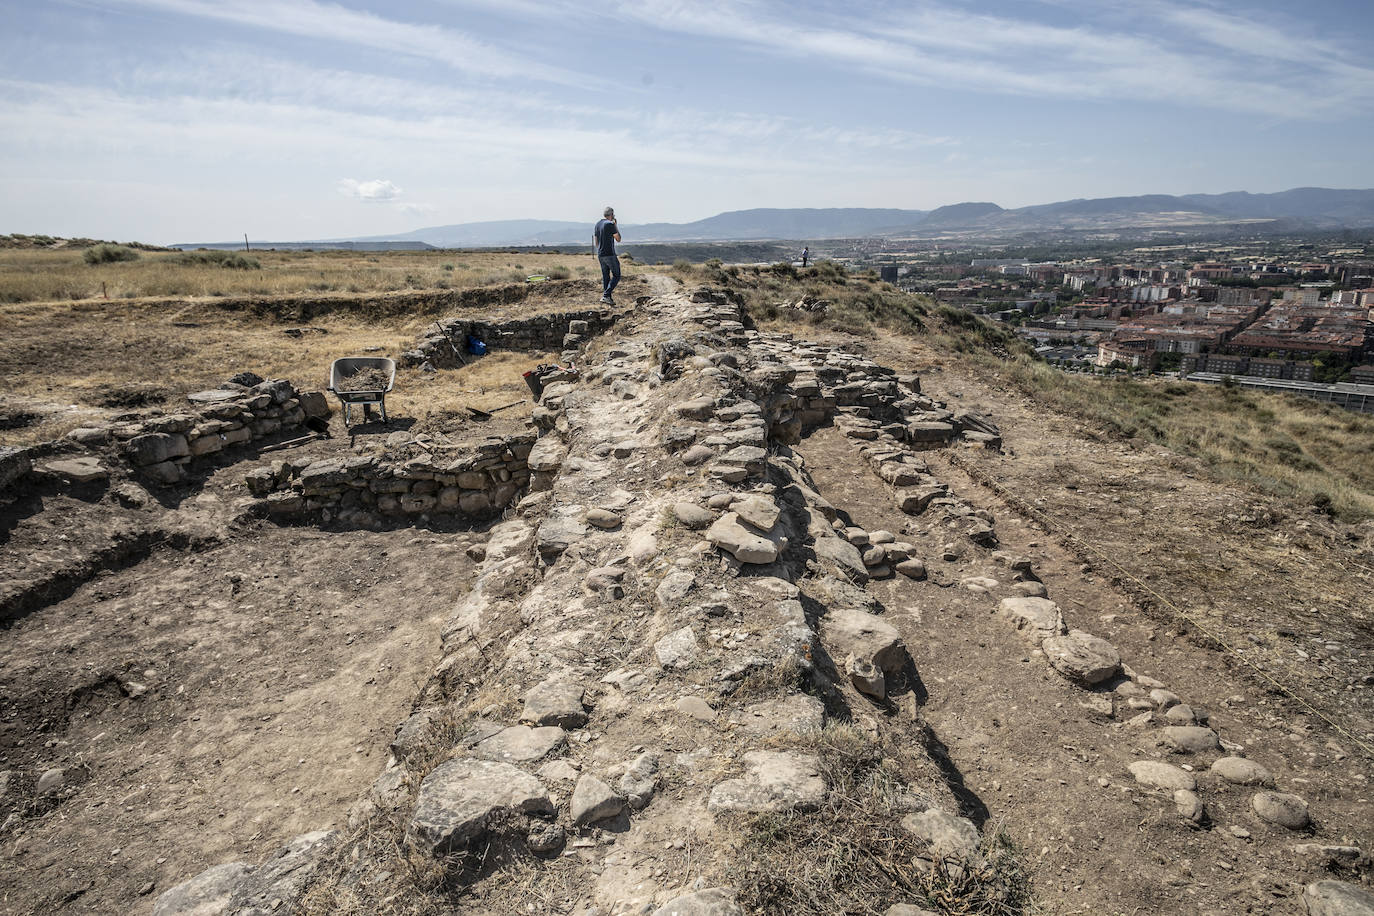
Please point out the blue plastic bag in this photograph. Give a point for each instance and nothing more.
(475, 346)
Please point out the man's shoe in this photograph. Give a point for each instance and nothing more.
(608, 300)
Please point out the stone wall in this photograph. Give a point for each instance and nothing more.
(369, 491)
(163, 448)
(556, 331)
(14, 464)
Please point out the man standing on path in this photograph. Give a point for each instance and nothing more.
(806, 254)
(606, 234)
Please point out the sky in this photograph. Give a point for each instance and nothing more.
(201, 120)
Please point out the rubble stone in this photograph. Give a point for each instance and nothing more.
(1082, 657)
(458, 796)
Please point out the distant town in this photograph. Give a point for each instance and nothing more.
(1289, 314)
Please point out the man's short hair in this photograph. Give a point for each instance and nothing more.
(609, 212)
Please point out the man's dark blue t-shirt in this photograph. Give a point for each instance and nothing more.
(605, 238)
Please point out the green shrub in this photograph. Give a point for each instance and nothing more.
(106, 254)
(232, 260)
(559, 272)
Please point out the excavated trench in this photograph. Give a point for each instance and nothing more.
(737, 645)
(189, 674)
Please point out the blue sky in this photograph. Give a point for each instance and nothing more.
(197, 120)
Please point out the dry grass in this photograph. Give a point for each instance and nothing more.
(852, 858)
(39, 275)
(1280, 444)
(67, 361)
(372, 869)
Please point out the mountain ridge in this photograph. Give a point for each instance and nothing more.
(1296, 208)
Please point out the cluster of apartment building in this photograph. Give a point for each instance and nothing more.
(1261, 330)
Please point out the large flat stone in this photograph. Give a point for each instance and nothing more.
(207, 894)
(458, 797)
(843, 555)
(1082, 657)
(715, 901)
(593, 800)
(730, 535)
(1036, 618)
(693, 516)
(678, 649)
(1191, 739)
(1242, 772)
(797, 714)
(757, 510)
(547, 455)
(520, 743)
(277, 883)
(773, 781)
(948, 836)
(78, 470)
(563, 528)
(1337, 898)
(1159, 775)
(867, 637)
(555, 702)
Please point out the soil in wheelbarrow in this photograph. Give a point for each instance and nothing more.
(365, 380)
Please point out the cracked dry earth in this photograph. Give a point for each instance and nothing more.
(749, 578)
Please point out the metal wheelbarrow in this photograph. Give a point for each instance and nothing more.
(343, 369)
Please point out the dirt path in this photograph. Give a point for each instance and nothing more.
(207, 706)
(1053, 773)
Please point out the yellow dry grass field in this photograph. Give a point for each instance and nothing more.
(65, 363)
(46, 275)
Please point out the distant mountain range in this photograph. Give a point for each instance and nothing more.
(1300, 208)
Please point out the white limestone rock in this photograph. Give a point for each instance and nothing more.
(1082, 657)
(458, 797)
(1036, 618)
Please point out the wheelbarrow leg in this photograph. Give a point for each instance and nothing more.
(381, 405)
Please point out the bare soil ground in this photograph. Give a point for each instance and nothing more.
(1283, 584)
(206, 705)
(211, 685)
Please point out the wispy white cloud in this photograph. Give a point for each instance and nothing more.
(378, 189)
(1228, 62)
(317, 21)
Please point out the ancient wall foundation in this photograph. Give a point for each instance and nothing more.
(164, 449)
(552, 332)
(368, 491)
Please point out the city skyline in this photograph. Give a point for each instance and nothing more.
(165, 120)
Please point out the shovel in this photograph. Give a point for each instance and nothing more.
(479, 414)
(452, 346)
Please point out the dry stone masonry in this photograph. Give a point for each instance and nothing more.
(559, 331)
(669, 633)
(367, 491)
(164, 448)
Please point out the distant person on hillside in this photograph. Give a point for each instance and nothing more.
(606, 234)
(806, 253)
